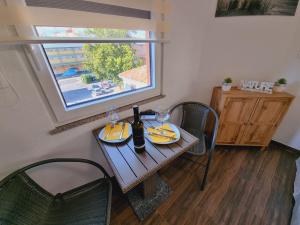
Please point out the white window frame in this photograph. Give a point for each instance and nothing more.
(64, 115)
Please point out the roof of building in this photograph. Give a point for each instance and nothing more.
(137, 74)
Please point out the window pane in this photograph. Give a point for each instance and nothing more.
(90, 32)
(89, 72)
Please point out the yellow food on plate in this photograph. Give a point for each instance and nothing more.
(161, 130)
(113, 133)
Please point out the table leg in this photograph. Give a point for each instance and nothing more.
(148, 196)
(150, 186)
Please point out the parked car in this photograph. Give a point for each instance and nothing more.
(111, 83)
(108, 84)
(105, 84)
(107, 90)
(97, 90)
(71, 72)
(95, 86)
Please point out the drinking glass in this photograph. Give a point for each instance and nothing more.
(112, 115)
(162, 115)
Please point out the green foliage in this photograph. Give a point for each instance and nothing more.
(108, 33)
(107, 61)
(233, 5)
(228, 80)
(243, 7)
(87, 78)
(281, 81)
(267, 5)
(255, 5)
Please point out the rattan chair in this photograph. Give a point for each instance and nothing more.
(193, 117)
(24, 202)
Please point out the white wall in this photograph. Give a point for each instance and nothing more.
(259, 47)
(202, 51)
(289, 131)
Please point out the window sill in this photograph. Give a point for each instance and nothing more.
(90, 119)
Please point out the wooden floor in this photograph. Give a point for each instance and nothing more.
(245, 187)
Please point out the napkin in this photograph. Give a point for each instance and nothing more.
(115, 132)
(159, 139)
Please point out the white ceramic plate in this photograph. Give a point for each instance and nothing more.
(115, 141)
(174, 128)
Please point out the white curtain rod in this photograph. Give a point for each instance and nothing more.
(22, 41)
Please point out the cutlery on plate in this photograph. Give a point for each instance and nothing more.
(122, 129)
(162, 129)
(161, 135)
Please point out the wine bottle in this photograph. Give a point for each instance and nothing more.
(138, 131)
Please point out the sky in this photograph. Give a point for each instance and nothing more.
(78, 32)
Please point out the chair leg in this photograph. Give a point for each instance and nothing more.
(206, 170)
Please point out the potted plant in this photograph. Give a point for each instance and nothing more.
(280, 85)
(227, 83)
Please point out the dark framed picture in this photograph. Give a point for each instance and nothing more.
(256, 7)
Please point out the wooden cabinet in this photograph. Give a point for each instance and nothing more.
(236, 113)
(248, 118)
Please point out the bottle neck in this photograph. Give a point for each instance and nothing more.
(136, 114)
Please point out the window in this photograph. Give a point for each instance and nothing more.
(87, 73)
(86, 78)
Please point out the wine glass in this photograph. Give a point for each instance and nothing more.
(162, 115)
(112, 115)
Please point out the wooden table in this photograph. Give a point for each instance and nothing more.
(131, 168)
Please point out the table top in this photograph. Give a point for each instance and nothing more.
(131, 168)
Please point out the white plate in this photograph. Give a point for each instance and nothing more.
(115, 141)
(174, 128)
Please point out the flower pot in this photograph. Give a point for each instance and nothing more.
(279, 88)
(226, 86)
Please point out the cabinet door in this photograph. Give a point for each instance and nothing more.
(234, 117)
(264, 121)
